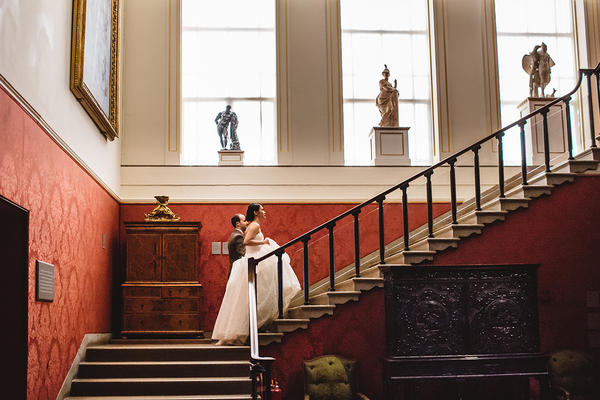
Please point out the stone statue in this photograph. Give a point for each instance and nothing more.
(227, 123)
(537, 64)
(387, 100)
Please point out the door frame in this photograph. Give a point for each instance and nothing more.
(24, 214)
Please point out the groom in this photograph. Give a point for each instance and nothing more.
(236, 239)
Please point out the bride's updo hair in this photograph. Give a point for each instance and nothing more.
(252, 208)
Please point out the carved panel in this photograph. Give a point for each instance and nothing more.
(461, 310)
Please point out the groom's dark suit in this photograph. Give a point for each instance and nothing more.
(236, 246)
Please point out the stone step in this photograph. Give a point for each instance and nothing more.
(184, 397)
(530, 191)
(128, 341)
(166, 369)
(166, 353)
(360, 284)
(289, 325)
(310, 311)
(484, 217)
(511, 203)
(411, 257)
(554, 178)
(159, 386)
(459, 230)
(337, 297)
(590, 154)
(265, 338)
(576, 166)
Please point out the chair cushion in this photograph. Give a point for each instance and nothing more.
(572, 370)
(328, 378)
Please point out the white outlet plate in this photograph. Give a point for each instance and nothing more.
(225, 248)
(216, 247)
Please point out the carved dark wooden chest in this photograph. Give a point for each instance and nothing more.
(461, 322)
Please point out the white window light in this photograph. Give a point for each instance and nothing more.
(228, 57)
(392, 32)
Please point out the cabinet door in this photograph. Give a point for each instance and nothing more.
(179, 254)
(143, 257)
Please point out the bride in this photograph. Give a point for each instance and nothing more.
(232, 325)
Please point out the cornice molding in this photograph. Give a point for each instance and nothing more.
(32, 112)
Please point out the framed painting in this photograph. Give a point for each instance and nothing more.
(95, 61)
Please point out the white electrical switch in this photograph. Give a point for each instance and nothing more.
(216, 247)
(225, 248)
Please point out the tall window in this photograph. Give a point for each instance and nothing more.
(520, 25)
(392, 32)
(228, 58)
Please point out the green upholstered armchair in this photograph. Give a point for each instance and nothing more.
(573, 375)
(331, 378)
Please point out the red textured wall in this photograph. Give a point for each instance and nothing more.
(284, 222)
(69, 211)
(560, 232)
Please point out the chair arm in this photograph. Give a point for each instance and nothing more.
(361, 396)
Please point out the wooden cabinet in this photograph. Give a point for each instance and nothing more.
(161, 292)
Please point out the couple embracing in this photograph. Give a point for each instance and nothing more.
(232, 324)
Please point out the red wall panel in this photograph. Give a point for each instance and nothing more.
(69, 211)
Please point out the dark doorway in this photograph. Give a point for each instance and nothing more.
(14, 246)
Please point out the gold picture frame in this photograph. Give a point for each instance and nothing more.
(95, 61)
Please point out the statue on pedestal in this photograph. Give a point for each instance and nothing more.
(387, 100)
(227, 123)
(537, 64)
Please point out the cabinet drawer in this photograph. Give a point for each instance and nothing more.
(181, 291)
(141, 291)
(161, 322)
(132, 305)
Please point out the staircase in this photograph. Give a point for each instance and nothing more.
(163, 370)
(423, 248)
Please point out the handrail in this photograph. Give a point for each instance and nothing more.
(262, 365)
(425, 171)
(258, 365)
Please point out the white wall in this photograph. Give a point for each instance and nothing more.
(35, 58)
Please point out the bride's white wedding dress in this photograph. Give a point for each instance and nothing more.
(232, 325)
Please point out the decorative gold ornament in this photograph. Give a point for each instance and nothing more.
(161, 213)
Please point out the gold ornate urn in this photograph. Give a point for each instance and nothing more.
(161, 213)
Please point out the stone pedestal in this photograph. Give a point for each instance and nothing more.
(389, 145)
(534, 130)
(231, 157)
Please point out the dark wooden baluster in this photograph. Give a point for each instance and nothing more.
(331, 259)
(567, 102)
(453, 189)
(405, 215)
(500, 164)
(523, 153)
(477, 177)
(356, 244)
(546, 139)
(306, 280)
(597, 73)
(280, 284)
(429, 203)
(381, 232)
(591, 108)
